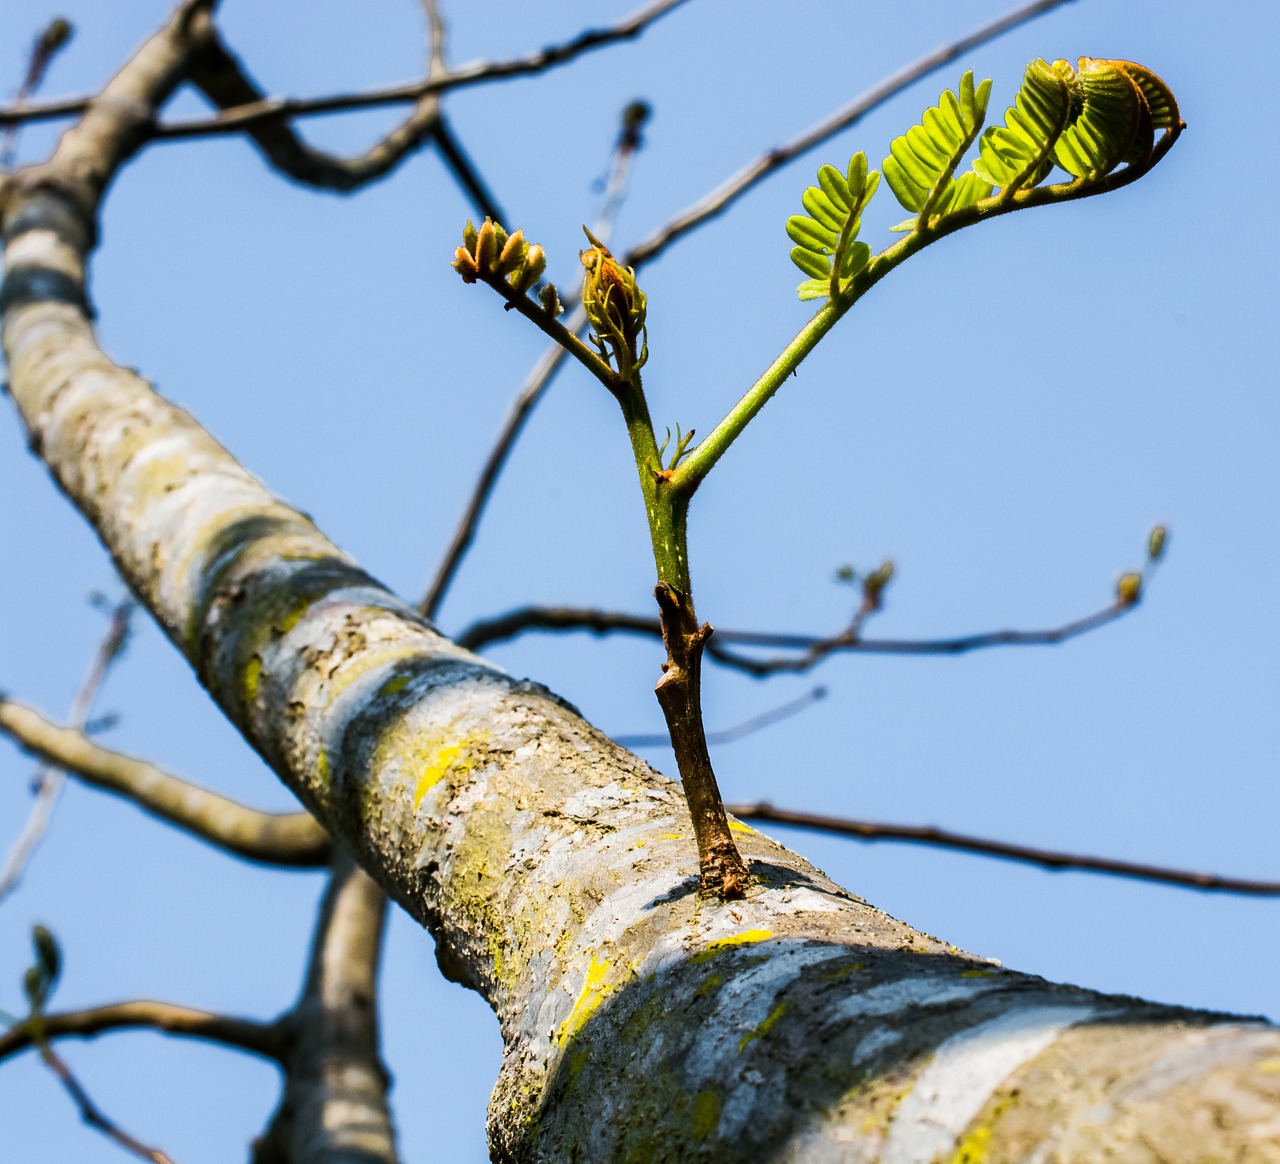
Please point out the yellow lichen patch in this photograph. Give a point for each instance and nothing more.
(391, 686)
(973, 1148)
(361, 665)
(594, 991)
(672, 836)
(455, 759)
(765, 1027)
(1270, 1066)
(840, 973)
(736, 826)
(709, 984)
(721, 944)
(978, 974)
(706, 1114)
(322, 764)
(252, 675)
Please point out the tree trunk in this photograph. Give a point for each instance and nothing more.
(558, 872)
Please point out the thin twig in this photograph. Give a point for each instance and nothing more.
(94, 1116)
(464, 170)
(49, 779)
(487, 632)
(1045, 858)
(293, 840)
(255, 112)
(728, 192)
(480, 72)
(543, 372)
(264, 1039)
(739, 731)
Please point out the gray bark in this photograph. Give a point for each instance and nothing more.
(557, 871)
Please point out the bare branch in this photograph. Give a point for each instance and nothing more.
(263, 1039)
(1045, 858)
(293, 839)
(480, 72)
(94, 1116)
(739, 731)
(728, 192)
(221, 77)
(335, 1093)
(486, 632)
(49, 779)
(464, 171)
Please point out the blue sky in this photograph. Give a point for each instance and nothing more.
(1005, 417)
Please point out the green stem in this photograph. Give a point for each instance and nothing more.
(685, 479)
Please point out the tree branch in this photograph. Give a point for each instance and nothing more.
(334, 1104)
(739, 731)
(504, 627)
(728, 192)
(555, 870)
(481, 72)
(295, 840)
(49, 779)
(265, 1039)
(94, 1116)
(1045, 858)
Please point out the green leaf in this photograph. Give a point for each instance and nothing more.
(922, 162)
(823, 209)
(810, 263)
(826, 247)
(811, 235)
(1020, 152)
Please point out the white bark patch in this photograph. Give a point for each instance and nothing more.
(1202, 1053)
(965, 1071)
(891, 997)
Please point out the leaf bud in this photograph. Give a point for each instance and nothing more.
(48, 956)
(486, 246)
(873, 585)
(465, 265)
(550, 300)
(615, 306)
(535, 262)
(513, 252)
(1128, 589)
(1156, 542)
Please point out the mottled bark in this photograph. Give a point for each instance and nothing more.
(557, 872)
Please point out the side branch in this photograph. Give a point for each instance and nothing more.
(273, 108)
(1044, 858)
(502, 628)
(291, 839)
(265, 1039)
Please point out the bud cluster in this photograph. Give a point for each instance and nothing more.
(490, 253)
(616, 308)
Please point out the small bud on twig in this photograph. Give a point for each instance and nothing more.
(1128, 589)
(1156, 542)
